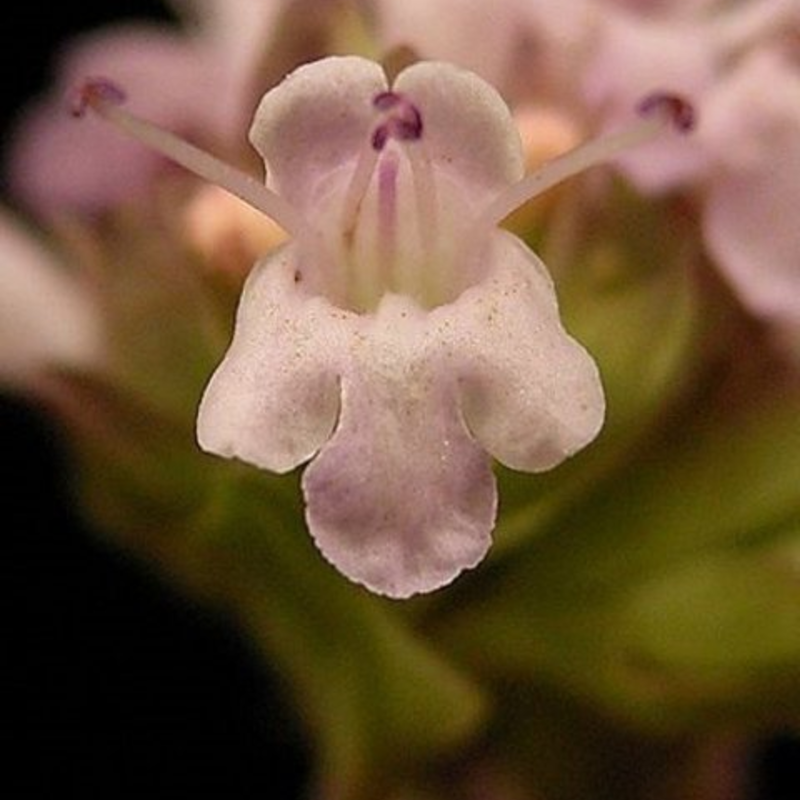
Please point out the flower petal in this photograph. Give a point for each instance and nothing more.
(401, 499)
(750, 222)
(46, 317)
(469, 133)
(315, 123)
(518, 46)
(274, 399)
(474, 34)
(531, 395)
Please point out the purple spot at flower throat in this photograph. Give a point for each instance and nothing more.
(401, 120)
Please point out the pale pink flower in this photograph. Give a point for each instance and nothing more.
(738, 64)
(395, 346)
(685, 47)
(47, 316)
(55, 166)
(634, 55)
(401, 339)
(752, 210)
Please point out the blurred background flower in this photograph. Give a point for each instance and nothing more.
(636, 630)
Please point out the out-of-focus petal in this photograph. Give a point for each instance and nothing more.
(635, 57)
(531, 395)
(239, 28)
(751, 218)
(669, 8)
(274, 399)
(236, 34)
(46, 317)
(401, 499)
(473, 34)
(518, 46)
(57, 164)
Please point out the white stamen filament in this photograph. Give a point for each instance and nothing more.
(104, 99)
(427, 206)
(593, 153)
(359, 183)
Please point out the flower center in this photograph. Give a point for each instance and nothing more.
(391, 226)
(402, 120)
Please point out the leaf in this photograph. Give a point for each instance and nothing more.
(729, 617)
(564, 750)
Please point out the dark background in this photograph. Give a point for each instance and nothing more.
(110, 684)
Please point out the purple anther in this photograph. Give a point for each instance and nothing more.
(680, 111)
(93, 91)
(407, 127)
(379, 137)
(401, 119)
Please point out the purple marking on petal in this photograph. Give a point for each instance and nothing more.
(93, 91)
(680, 111)
(387, 209)
(387, 183)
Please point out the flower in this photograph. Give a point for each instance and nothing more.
(751, 225)
(744, 163)
(695, 52)
(396, 366)
(55, 167)
(400, 338)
